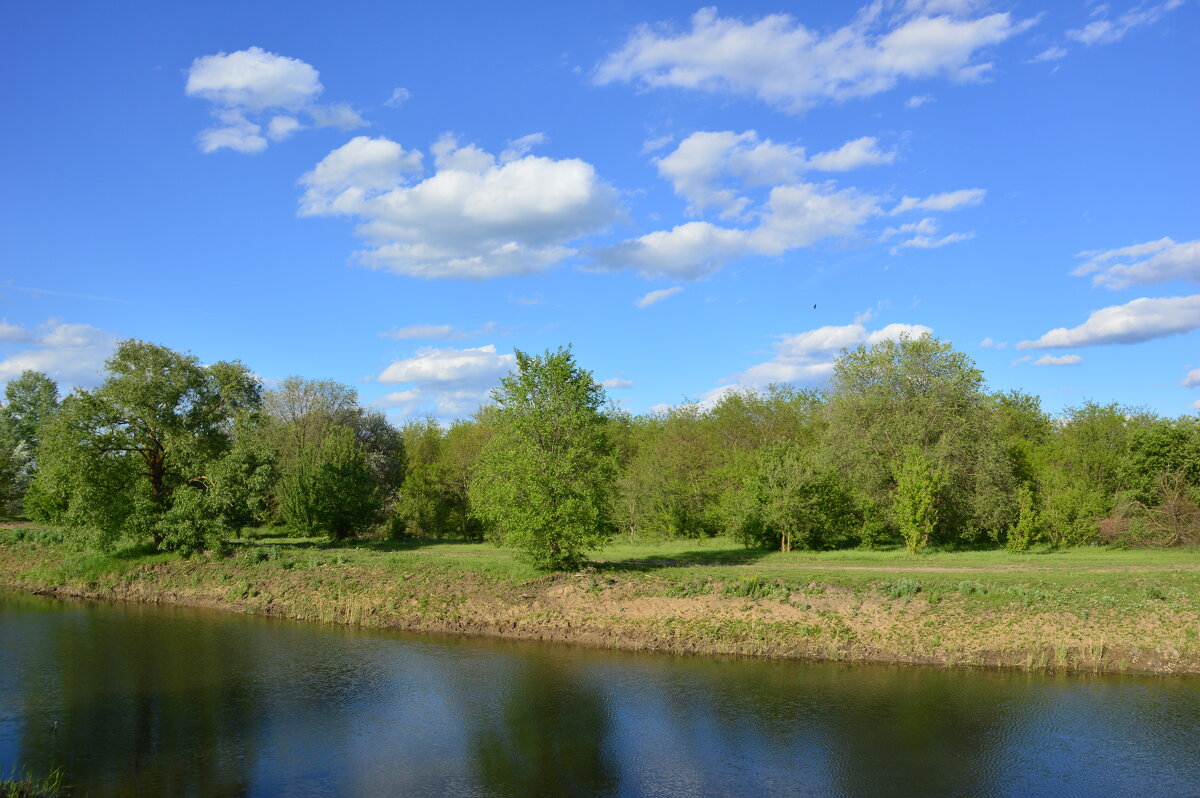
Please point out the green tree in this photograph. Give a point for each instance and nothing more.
(795, 502)
(113, 458)
(317, 462)
(545, 480)
(917, 498)
(919, 393)
(29, 401)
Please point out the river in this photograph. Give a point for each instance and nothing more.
(144, 700)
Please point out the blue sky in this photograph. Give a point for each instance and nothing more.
(397, 195)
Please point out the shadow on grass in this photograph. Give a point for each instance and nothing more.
(733, 555)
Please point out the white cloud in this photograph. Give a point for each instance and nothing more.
(473, 218)
(1121, 268)
(808, 357)
(449, 382)
(947, 201)
(1140, 320)
(1192, 380)
(235, 133)
(449, 366)
(280, 127)
(1196, 405)
(617, 383)
(657, 296)
(399, 96)
(800, 215)
(657, 143)
(688, 251)
(870, 313)
(72, 354)
(852, 155)
(246, 86)
(438, 332)
(990, 343)
(253, 79)
(1051, 53)
(14, 333)
(925, 227)
(929, 242)
(1105, 30)
(1052, 360)
(917, 100)
(786, 65)
(717, 169)
(704, 161)
(519, 148)
(339, 115)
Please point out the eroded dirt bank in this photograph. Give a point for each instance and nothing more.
(871, 620)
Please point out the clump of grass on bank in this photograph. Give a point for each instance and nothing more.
(26, 786)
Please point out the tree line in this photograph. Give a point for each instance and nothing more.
(905, 445)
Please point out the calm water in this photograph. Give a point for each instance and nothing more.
(139, 700)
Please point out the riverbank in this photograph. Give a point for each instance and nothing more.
(1089, 609)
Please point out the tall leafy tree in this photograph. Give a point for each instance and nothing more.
(545, 480)
(115, 457)
(920, 394)
(29, 401)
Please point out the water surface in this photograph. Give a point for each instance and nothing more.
(144, 700)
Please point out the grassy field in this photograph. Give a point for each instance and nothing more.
(1089, 608)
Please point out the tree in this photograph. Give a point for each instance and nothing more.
(308, 419)
(113, 458)
(545, 480)
(917, 498)
(919, 393)
(795, 502)
(29, 401)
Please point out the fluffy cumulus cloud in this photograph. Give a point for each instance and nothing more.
(759, 184)
(475, 217)
(1150, 263)
(852, 155)
(1134, 322)
(1192, 379)
(807, 358)
(72, 354)
(687, 251)
(617, 384)
(448, 382)
(257, 96)
(1104, 29)
(711, 169)
(786, 65)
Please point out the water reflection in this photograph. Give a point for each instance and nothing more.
(159, 701)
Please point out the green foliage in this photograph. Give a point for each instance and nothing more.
(887, 399)
(902, 588)
(337, 465)
(29, 401)
(1028, 528)
(111, 460)
(434, 500)
(795, 502)
(328, 488)
(545, 481)
(917, 498)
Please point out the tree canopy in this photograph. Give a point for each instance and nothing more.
(545, 480)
